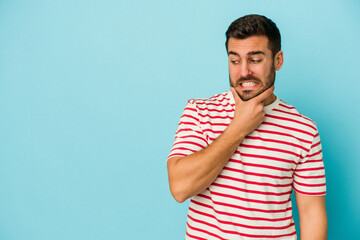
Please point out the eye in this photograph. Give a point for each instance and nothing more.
(234, 61)
(255, 60)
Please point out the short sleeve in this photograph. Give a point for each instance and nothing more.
(189, 137)
(309, 175)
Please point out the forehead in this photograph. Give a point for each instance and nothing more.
(253, 43)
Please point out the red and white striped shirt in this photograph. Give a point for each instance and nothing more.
(250, 198)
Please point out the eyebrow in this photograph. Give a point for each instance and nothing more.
(249, 53)
(256, 52)
(233, 53)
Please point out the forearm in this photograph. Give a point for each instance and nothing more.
(192, 174)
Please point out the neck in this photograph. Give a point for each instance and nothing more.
(270, 100)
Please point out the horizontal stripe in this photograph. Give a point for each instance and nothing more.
(216, 110)
(282, 134)
(188, 129)
(195, 237)
(237, 233)
(239, 224)
(241, 216)
(263, 131)
(224, 97)
(212, 99)
(272, 149)
(189, 142)
(294, 114)
(309, 177)
(204, 231)
(215, 124)
(288, 128)
(183, 148)
(187, 123)
(309, 185)
(253, 182)
(248, 199)
(215, 117)
(311, 193)
(177, 155)
(257, 174)
(192, 136)
(190, 109)
(290, 120)
(245, 208)
(311, 161)
(250, 191)
(212, 131)
(316, 144)
(215, 104)
(260, 165)
(266, 157)
(276, 141)
(314, 154)
(285, 106)
(309, 169)
(190, 116)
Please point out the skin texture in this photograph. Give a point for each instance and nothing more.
(250, 61)
(312, 217)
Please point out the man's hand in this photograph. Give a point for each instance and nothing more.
(190, 175)
(249, 114)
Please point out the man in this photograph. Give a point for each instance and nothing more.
(239, 154)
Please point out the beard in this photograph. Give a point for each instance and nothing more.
(249, 94)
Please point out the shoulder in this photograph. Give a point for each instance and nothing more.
(218, 101)
(288, 111)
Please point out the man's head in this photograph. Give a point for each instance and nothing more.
(255, 25)
(254, 49)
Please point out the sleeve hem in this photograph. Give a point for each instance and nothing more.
(310, 193)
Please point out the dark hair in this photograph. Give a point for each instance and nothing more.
(255, 25)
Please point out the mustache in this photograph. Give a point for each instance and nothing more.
(247, 78)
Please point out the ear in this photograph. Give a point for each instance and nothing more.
(279, 60)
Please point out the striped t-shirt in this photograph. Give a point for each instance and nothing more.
(250, 198)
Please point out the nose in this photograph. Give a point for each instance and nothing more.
(244, 69)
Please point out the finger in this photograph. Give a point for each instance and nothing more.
(264, 95)
(235, 95)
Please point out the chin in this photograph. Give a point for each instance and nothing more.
(245, 96)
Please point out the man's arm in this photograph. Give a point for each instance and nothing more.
(192, 174)
(312, 217)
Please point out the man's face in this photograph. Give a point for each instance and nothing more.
(252, 66)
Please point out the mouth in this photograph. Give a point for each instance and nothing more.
(249, 85)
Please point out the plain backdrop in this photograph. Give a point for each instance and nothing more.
(91, 93)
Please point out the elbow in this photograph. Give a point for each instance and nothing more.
(177, 184)
(178, 193)
(179, 199)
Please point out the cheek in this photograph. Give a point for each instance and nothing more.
(260, 71)
(234, 72)
(266, 69)
(258, 68)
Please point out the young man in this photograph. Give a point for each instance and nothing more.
(239, 154)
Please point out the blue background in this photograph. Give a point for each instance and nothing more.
(91, 93)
